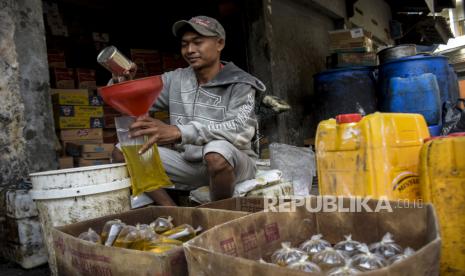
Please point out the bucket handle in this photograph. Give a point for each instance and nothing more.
(79, 191)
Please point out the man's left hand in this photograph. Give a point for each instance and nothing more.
(157, 131)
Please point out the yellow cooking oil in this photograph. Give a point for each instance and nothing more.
(376, 155)
(146, 170)
(442, 183)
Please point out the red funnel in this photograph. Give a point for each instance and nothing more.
(133, 97)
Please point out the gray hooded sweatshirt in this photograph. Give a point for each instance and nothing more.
(222, 109)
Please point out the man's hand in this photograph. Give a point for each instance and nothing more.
(157, 131)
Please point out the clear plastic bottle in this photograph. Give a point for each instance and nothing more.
(386, 247)
(348, 246)
(287, 255)
(314, 245)
(127, 237)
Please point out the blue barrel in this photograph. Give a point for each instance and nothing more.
(345, 90)
(415, 94)
(414, 66)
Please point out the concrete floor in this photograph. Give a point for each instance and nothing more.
(8, 268)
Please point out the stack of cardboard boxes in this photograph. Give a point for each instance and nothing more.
(353, 47)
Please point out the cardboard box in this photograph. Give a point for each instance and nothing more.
(148, 62)
(110, 136)
(75, 122)
(56, 59)
(62, 78)
(353, 40)
(85, 78)
(75, 97)
(81, 134)
(235, 247)
(66, 162)
(92, 162)
(96, 155)
(78, 111)
(241, 204)
(78, 257)
(338, 60)
(98, 148)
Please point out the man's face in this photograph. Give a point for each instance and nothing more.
(200, 51)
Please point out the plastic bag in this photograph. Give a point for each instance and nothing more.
(183, 232)
(287, 255)
(146, 170)
(346, 270)
(304, 265)
(453, 119)
(128, 237)
(161, 245)
(397, 258)
(110, 231)
(297, 165)
(349, 246)
(366, 260)
(315, 245)
(90, 236)
(329, 258)
(162, 224)
(386, 247)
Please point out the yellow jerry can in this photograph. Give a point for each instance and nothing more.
(376, 155)
(442, 182)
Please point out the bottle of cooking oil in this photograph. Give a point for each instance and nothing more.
(183, 232)
(110, 231)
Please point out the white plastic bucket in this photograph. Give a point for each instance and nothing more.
(73, 195)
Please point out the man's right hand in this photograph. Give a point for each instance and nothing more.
(127, 75)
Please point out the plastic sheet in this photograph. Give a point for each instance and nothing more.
(329, 258)
(146, 170)
(162, 224)
(305, 265)
(297, 165)
(349, 246)
(367, 261)
(397, 258)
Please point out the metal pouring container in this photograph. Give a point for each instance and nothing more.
(114, 61)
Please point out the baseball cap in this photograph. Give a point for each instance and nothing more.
(204, 25)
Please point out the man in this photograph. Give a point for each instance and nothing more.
(212, 120)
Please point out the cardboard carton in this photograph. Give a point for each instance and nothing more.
(96, 155)
(92, 162)
(98, 148)
(235, 247)
(56, 59)
(81, 134)
(62, 78)
(110, 136)
(338, 60)
(78, 111)
(241, 204)
(352, 40)
(77, 123)
(85, 78)
(66, 162)
(78, 257)
(75, 97)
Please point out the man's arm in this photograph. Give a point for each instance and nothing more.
(238, 127)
